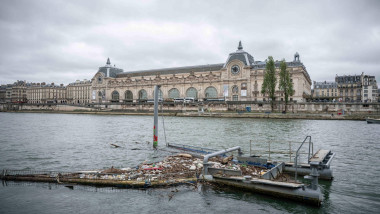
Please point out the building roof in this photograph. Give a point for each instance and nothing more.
(325, 84)
(241, 55)
(348, 79)
(176, 70)
(110, 71)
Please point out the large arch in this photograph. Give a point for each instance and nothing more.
(160, 94)
(115, 96)
(128, 96)
(173, 93)
(192, 92)
(143, 95)
(211, 92)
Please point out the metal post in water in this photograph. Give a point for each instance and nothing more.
(250, 148)
(155, 125)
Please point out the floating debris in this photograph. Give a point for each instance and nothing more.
(114, 145)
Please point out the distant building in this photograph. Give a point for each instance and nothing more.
(78, 92)
(16, 92)
(42, 93)
(325, 91)
(3, 93)
(238, 79)
(350, 88)
(357, 88)
(100, 85)
(370, 89)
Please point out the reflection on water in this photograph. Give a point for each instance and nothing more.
(76, 142)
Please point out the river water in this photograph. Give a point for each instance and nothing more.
(69, 142)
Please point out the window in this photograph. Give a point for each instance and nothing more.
(192, 92)
(115, 96)
(143, 95)
(211, 92)
(128, 95)
(173, 93)
(235, 97)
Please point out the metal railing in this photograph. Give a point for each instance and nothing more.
(268, 148)
(298, 154)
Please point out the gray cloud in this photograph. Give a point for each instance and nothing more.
(61, 41)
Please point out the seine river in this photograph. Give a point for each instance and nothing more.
(68, 142)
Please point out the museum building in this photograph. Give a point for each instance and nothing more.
(238, 79)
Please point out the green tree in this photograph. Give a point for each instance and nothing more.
(270, 81)
(285, 84)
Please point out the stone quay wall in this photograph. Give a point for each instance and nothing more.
(221, 107)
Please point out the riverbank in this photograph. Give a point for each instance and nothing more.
(267, 115)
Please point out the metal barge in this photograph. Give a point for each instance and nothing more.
(317, 167)
(323, 157)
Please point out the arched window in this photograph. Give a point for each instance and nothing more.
(160, 95)
(115, 96)
(211, 92)
(128, 96)
(173, 93)
(192, 92)
(143, 95)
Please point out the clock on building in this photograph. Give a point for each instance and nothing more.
(235, 69)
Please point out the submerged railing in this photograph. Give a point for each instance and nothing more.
(190, 148)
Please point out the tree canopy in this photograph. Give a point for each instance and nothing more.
(285, 84)
(270, 81)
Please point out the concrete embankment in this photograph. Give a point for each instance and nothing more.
(309, 111)
(305, 116)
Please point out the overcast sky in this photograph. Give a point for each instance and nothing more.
(62, 41)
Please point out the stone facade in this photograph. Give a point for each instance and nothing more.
(370, 89)
(325, 91)
(3, 93)
(15, 93)
(46, 93)
(238, 79)
(79, 92)
(357, 88)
